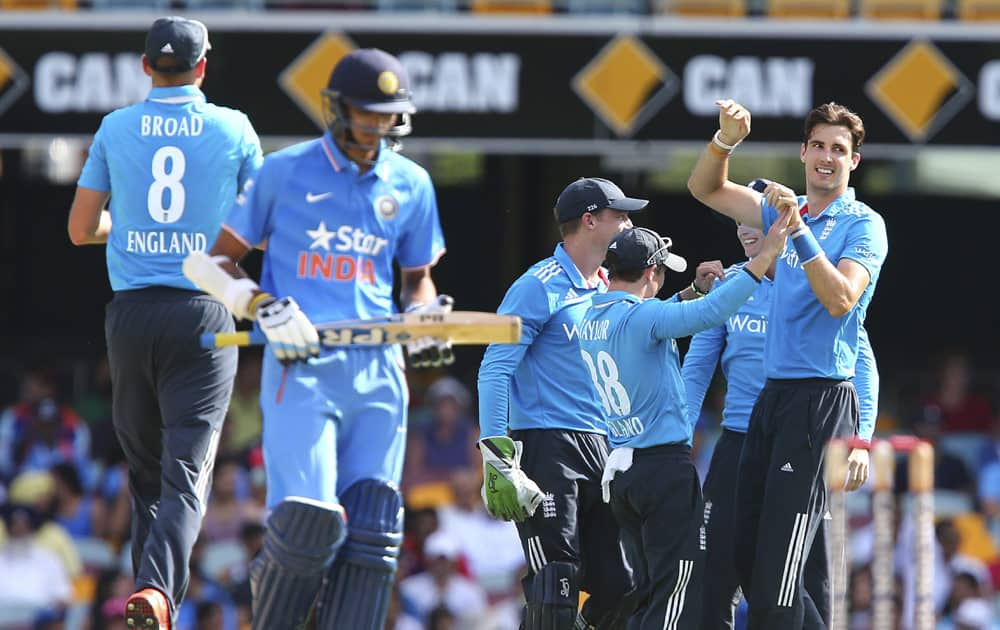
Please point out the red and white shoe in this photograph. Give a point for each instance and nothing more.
(147, 610)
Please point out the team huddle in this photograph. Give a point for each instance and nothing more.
(586, 424)
(593, 412)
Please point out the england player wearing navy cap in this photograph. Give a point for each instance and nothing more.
(171, 166)
(823, 285)
(546, 473)
(337, 213)
(737, 346)
(628, 340)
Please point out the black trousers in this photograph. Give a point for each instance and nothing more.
(658, 504)
(573, 524)
(169, 398)
(721, 594)
(781, 500)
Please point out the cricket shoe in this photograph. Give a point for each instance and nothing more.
(147, 610)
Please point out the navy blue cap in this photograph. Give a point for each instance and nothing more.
(180, 39)
(590, 194)
(373, 80)
(638, 248)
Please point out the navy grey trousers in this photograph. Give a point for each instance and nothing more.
(781, 500)
(721, 594)
(169, 398)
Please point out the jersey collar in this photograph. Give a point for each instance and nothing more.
(572, 272)
(176, 94)
(832, 210)
(339, 161)
(617, 296)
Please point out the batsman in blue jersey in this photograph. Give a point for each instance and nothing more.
(546, 473)
(823, 284)
(334, 215)
(628, 341)
(738, 346)
(172, 166)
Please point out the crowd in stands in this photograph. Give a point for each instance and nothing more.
(810, 9)
(64, 501)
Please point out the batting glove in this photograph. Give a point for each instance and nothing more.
(507, 492)
(289, 332)
(619, 460)
(428, 351)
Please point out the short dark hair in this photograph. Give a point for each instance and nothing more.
(568, 227)
(630, 275)
(839, 116)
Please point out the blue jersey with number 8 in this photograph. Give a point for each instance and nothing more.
(174, 164)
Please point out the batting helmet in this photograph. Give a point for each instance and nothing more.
(373, 80)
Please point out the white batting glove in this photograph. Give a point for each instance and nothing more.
(289, 332)
(429, 351)
(619, 460)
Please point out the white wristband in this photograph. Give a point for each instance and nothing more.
(206, 274)
(722, 145)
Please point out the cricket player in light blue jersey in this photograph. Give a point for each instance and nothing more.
(823, 284)
(738, 346)
(546, 474)
(628, 341)
(335, 213)
(172, 166)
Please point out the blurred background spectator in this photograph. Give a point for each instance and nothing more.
(39, 431)
(958, 404)
(442, 436)
(442, 585)
(33, 579)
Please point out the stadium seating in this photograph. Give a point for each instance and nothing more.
(705, 8)
(38, 5)
(901, 9)
(534, 7)
(123, 5)
(978, 10)
(808, 9)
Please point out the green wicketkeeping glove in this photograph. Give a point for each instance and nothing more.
(507, 492)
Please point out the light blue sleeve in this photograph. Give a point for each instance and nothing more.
(7, 429)
(253, 155)
(768, 214)
(423, 240)
(989, 482)
(95, 174)
(699, 367)
(867, 243)
(251, 215)
(674, 320)
(527, 299)
(866, 382)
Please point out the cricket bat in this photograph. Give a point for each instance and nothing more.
(458, 327)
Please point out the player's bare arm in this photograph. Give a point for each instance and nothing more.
(838, 288)
(416, 287)
(89, 223)
(705, 275)
(709, 181)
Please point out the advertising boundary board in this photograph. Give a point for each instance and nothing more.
(568, 85)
